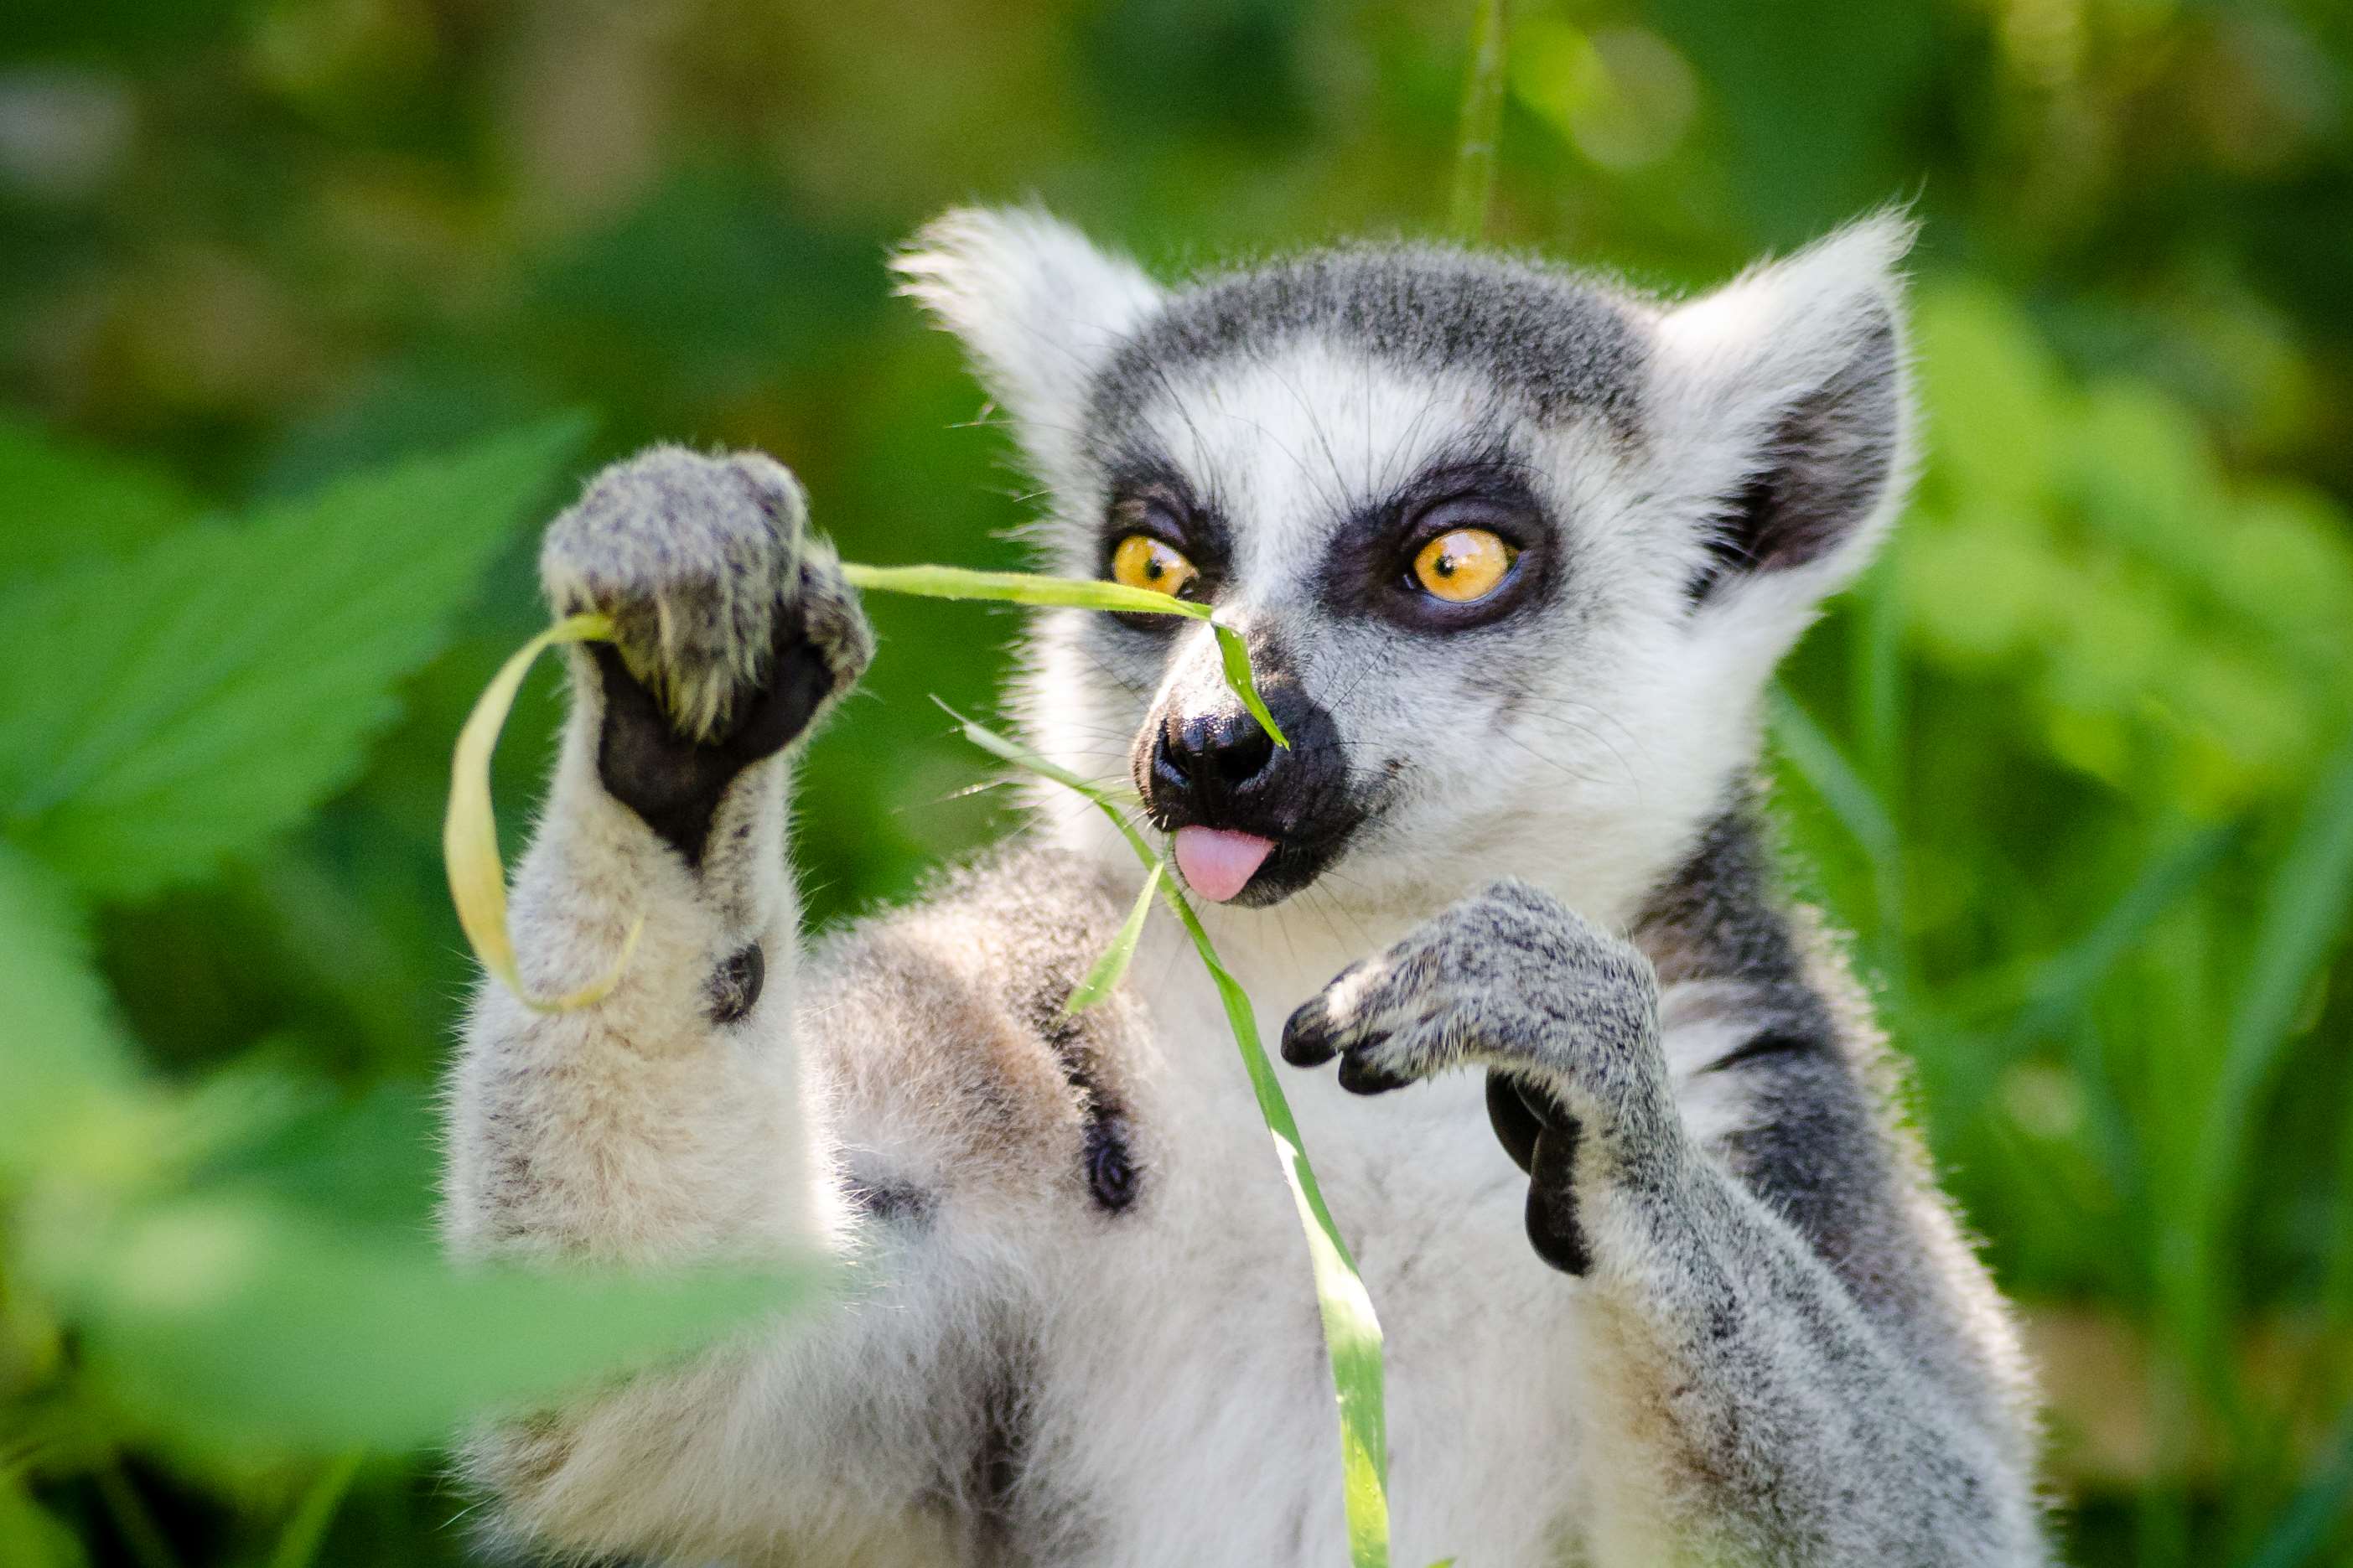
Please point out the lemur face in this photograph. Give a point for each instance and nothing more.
(1514, 552)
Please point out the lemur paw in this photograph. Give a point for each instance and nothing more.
(1564, 1017)
(733, 623)
(1509, 978)
(710, 576)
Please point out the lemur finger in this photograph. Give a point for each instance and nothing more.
(1515, 1125)
(695, 559)
(1320, 1025)
(1363, 1071)
(1555, 1230)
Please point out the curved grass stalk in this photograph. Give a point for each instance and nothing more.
(1023, 588)
(470, 832)
(1480, 129)
(1352, 1333)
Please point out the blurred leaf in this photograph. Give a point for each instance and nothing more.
(229, 1322)
(30, 1536)
(165, 710)
(2302, 923)
(2144, 470)
(368, 1164)
(1811, 92)
(306, 1530)
(1480, 124)
(1991, 395)
(1106, 970)
(67, 1068)
(61, 503)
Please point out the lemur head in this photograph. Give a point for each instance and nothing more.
(1514, 551)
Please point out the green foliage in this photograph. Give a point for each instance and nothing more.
(238, 1271)
(1103, 976)
(69, 1067)
(61, 504)
(2084, 542)
(2067, 763)
(234, 1324)
(186, 702)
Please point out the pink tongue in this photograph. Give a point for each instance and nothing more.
(1216, 863)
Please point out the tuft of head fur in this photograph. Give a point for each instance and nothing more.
(1684, 482)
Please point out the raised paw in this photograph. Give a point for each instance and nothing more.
(1510, 979)
(733, 624)
(710, 574)
(1564, 1017)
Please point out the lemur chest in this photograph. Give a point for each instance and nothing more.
(1188, 1411)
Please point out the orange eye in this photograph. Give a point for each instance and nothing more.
(1463, 565)
(1144, 562)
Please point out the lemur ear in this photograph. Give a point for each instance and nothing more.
(1792, 393)
(1039, 308)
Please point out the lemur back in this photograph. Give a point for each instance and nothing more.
(1665, 1279)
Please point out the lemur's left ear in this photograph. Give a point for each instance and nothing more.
(1039, 310)
(1789, 392)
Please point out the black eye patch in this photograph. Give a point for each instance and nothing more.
(1152, 498)
(1369, 569)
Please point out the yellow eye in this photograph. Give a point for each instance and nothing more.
(1463, 565)
(1142, 561)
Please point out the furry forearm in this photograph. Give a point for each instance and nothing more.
(1747, 1411)
(663, 1122)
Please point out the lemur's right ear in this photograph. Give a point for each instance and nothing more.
(1039, 308)
(1787, 394)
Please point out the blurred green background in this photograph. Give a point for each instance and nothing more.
(311, 308)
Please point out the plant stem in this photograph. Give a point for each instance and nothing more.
(1478, 128)
(306, 1530)
(140, 1534)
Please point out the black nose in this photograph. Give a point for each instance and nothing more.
(1212, 753)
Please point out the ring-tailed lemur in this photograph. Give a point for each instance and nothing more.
(1516, 553)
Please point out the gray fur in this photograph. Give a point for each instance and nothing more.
(1561, 342)
(1078, 1328)
(1822, 1356)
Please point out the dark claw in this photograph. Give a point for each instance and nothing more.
(1358, 1075)
(1552, 1226)
(1515, 1125)
(1306, 1037)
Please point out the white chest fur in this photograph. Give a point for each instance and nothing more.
(1186, 1402)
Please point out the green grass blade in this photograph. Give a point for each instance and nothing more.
(1480, 126)
(1821, 765)
(2301, 922)
(1238, 676)
(1019, 588)
(1113, 964)
(1073, 593)
(1352, 1333)
(1022, 757)
(2067, 979)
(306, 1531)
